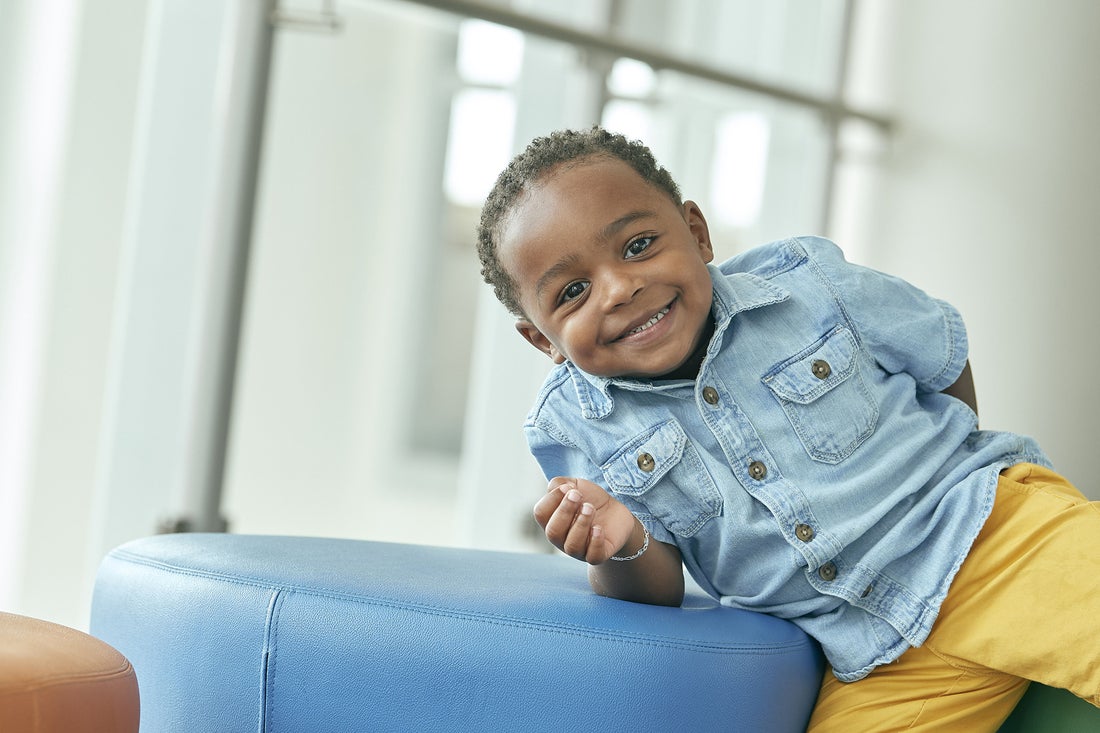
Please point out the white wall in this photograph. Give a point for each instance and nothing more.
(78, 243)
(987, 197)
(35, 95)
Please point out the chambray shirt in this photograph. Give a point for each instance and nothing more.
(813, 471)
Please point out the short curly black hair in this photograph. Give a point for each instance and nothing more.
(541, 156)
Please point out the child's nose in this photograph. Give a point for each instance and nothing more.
(621, 286)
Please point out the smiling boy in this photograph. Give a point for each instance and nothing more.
(652, 306)
(797, 431)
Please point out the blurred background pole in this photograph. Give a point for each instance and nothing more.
(198, 137)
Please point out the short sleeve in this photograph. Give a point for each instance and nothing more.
(904, 328)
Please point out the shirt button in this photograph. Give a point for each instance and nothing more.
(804, 532)
(821, 369)
(827, 572)
(710, 395)
(867, 591)
(758, 470)
(646, 462)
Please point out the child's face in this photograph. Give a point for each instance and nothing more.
(611, 274)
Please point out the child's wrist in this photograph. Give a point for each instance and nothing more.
(618, 557)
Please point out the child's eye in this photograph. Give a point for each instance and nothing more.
(573, 291)
(637, 246)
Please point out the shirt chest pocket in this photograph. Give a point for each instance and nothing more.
(662, 470)
(825, 397)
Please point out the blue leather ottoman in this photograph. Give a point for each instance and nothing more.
(254, 633)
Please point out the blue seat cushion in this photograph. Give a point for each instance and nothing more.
(245, 633)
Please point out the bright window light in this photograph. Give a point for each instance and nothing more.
(479, 144)
(489, 53)
(630, 78)
(740, 168)
(632, 119)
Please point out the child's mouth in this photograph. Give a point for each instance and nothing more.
(652, 321)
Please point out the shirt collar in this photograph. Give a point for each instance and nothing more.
(733, 294)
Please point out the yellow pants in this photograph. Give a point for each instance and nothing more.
(1024, 606)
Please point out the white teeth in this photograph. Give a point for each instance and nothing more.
(660, 314)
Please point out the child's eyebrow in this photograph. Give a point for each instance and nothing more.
(619, 224)
(563, 264)
(605, 234)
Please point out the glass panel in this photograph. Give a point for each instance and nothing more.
(630, 78)
(757, 168)
(479, 144)
(380, 145)
(348, 315)
(739, 172)
(488, 53)
(794, 42)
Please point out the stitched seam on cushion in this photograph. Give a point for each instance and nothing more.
(497, 619)
(267, 673)
(50, 682)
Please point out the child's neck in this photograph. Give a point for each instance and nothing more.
(690, 368)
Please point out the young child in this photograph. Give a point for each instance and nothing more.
(799, 432)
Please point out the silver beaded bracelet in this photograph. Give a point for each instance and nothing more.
(636, 555)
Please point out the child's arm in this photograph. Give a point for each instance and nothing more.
(585, 522)
(963, 389)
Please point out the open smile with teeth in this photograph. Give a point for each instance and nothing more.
(652, 321)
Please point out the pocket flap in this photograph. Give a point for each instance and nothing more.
(645, 459)
(808, 375)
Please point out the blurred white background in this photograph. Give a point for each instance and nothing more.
(378, 388)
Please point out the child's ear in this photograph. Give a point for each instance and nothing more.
(536, 338)
(693, 215)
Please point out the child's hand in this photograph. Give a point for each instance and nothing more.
(584, 521)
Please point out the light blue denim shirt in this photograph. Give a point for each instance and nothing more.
(814, 470)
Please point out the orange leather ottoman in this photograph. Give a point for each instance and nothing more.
(54, 679)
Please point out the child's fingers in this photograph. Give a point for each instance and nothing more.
(547, 505)
(561, 520)
(576, 541)
(597, 547)
(561, 517)
(567, 514)
(558, 482)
